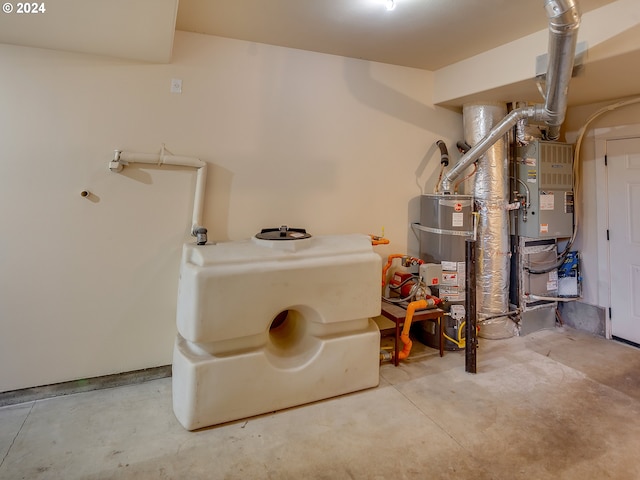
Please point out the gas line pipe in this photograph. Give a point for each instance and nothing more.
(428, 302)
(420, 304)
(407, 261)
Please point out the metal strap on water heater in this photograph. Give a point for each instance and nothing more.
(444, 201)
(441, 231)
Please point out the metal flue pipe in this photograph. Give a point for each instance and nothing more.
(564, 21)
(480, 148)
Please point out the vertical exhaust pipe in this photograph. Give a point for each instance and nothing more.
(564, 21)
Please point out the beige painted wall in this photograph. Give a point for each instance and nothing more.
(88, 285)
(588, 238)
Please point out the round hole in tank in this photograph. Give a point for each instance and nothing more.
(287, 329)
(290, 341)
(279, 320)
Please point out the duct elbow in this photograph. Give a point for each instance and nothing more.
(554, 121)
(563, 15)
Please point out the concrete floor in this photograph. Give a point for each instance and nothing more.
(556, 404)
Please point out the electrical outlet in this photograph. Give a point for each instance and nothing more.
(176, 85)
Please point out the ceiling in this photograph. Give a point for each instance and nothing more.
(424, 34)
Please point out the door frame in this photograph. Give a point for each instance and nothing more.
(602, 135)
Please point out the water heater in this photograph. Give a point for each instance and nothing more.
(445, 223)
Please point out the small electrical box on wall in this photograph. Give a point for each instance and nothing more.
(546, 168)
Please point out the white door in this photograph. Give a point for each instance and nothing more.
(623, 181)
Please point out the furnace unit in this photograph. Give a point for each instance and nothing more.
(545, 169)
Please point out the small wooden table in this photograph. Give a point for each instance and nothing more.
(398, 314)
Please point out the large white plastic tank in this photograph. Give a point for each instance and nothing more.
(265, 325)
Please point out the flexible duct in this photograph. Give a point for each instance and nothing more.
(521, 128)
(491, 193)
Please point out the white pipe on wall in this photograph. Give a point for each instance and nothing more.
(121, 159)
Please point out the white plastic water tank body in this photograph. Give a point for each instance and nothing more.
(334, 275)
(265, 325)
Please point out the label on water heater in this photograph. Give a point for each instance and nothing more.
(457, 219)
(452, 284)
(450, 278)
(450, 266)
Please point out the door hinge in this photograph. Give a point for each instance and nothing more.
(605, 161)
(607, 234)
(609, 313)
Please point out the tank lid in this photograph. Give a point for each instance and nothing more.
(282, 233)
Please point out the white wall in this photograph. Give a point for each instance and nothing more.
(88, 286)
(588, 238)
